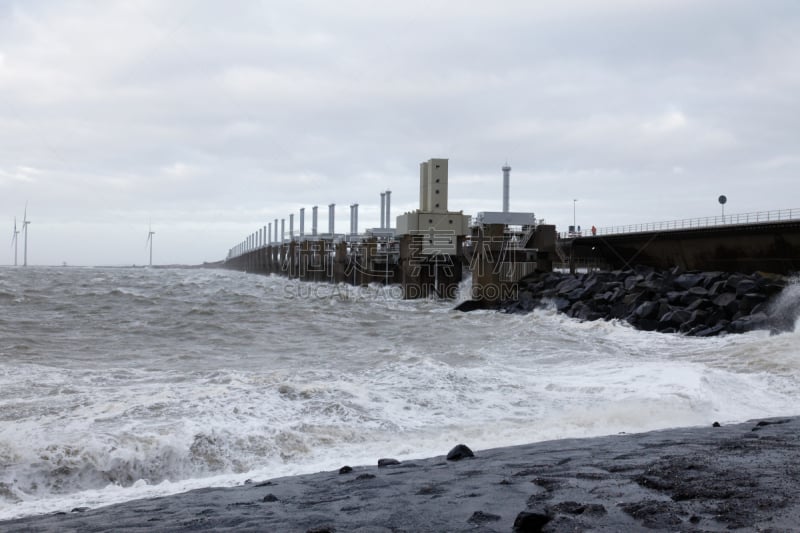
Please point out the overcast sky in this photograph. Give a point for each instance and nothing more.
(213, 118)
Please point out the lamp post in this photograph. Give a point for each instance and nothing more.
(574, 219)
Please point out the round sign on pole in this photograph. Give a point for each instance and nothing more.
(723, 199)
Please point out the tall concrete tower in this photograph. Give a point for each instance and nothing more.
(506, 186)
(383, 210)
(388, 223)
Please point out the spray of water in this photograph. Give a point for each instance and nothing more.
(784, 310)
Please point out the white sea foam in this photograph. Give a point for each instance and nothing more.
(187, 379)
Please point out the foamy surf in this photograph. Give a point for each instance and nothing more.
(166, 381)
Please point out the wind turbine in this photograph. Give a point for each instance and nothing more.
(25, 223)
(14, 240)
(150, 234)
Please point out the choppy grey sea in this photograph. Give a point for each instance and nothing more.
(117, 384)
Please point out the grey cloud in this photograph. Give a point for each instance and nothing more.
(214, 118)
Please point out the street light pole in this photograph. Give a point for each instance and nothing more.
(574, 219)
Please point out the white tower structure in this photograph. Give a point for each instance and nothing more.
(506, 216)
(353, 219)
(506, 186)
(433, 219)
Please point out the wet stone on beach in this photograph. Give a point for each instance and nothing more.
(480, 517)
(531, 521)
(461, 451)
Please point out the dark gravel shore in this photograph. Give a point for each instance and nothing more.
(743, 477)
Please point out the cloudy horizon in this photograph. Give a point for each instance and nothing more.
(209, 120)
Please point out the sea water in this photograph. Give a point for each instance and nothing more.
(117, 384)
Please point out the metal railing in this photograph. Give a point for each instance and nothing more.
(691, 223)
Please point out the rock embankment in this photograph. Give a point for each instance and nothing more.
(673, 301)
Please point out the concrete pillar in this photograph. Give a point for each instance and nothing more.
(283, 230)
(487, 282)
(506, 186)
(269, 234)
(314, 221)
(388, 209)
(355, 219)
(276, 230)
(302, 221)
(423, 186)
(291, 226)
(331, 218)
(383, 210)
(340, 262)
(291, 260)
(351, 219)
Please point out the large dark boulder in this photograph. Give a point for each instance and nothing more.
(688, 280)
(567, 286)
(676, 317)
(562, 304)
(663, 308)
(674, 297)
(527, 301)
(698, 291)
(748, 323)
(646, 310)
(711, 278)
(750, 300)
(576, 294)
(474, 305)
(700, 303)
(733, 281)
(687, 298)
(745, 286)
(718, 287)
(725, 299)
(711, 331)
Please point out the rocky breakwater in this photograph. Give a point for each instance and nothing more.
(674, 301)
